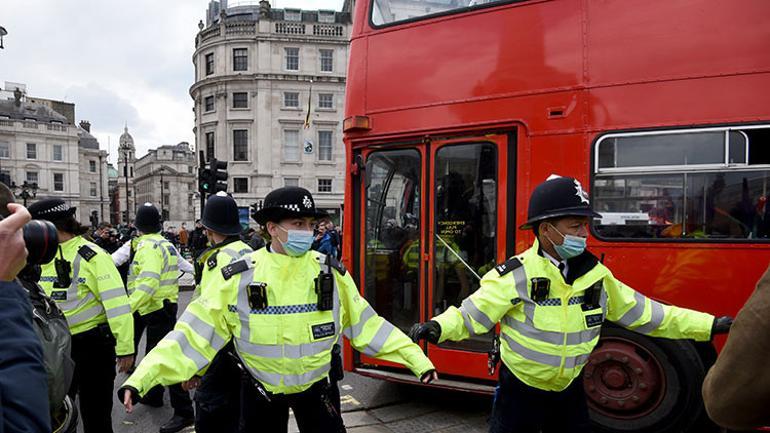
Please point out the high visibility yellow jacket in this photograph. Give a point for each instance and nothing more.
(96, 294)
(286, 346)
(547, 343)
(153, 274)
(211, 261)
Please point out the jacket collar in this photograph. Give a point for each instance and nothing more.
(576, 266)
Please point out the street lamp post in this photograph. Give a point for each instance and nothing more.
(162, 211)
(28, 190)
(125, 173)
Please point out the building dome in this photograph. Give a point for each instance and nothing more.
(126, 140)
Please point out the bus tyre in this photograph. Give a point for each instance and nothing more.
(638, 384)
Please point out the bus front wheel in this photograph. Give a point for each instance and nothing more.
(638, 384)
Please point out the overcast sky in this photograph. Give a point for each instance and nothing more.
(119, 61)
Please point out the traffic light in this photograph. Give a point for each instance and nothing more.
(213, 178)
(218, 170)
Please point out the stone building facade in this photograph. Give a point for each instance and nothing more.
(254, 66)
(168, 172)
(41, 146)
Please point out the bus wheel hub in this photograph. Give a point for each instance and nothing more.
(623, 380)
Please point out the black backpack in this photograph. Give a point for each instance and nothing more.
(54, 333)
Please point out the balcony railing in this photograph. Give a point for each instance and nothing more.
(288, 28)
(327, 30)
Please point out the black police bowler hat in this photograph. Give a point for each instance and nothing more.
(221, 215)
(148, 219)
(558, 197)
(287, 202)
(51, 209)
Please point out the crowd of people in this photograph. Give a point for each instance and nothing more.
(262, 334)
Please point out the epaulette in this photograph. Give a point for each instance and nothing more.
(212, 261)
(508, 266)
(336, 264)
(86, 252)
(234, 269)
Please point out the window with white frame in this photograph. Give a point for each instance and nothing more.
(240, 59)
(58, 152)
(208, 103)
(291, 99)
(240, 100)
(324, 145)
(326, 100)
(291, 144)
(697, 184)
(58, 182)
(5, 149)
(327, 60)
(325, 16)
(240, 184)
(292, 15)
(209, 63)
(92, 189)
(92, 166)
(209, 145)
(31, 151)
(31, 177)
(240, 145)
(291, 55)
(290, 181)
(324, 185)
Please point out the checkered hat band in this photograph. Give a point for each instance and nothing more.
(55, 209)
(292, 207)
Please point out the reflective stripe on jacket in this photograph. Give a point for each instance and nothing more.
(547, 343)
(286, 346)
(153, 274)
(95, 295)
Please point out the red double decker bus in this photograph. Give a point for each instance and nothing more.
(456, 109)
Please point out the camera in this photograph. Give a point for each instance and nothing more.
(39, 236)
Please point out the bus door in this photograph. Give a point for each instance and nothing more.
(434, 217)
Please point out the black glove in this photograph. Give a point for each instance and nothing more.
(427, 377)
(429, 330)
(721, 325)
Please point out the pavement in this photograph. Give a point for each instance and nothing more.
(368, 405)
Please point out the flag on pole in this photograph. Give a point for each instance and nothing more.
(309, 101)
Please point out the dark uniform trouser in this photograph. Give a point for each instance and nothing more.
(93, 352)
(520, 408)
(313, 408)
(218, 398)
(158, 324)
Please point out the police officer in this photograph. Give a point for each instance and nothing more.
(153, 292)
(551, 301)
(217, 398)
(285, 308)
(87, 287)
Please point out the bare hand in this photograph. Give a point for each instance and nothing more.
(127, 401)
(429, 377)
(13, 254)
(125, 363)
(191, 384)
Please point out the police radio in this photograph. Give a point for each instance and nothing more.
(63, 269)
(324, 288)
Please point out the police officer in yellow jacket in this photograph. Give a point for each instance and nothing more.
(218, 393)
(86, 285)
(153, 293)
(284, 307)
(551, 301)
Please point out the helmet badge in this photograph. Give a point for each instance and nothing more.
(306, 202)
(580, 193)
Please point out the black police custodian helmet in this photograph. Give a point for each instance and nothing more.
(148, 219)
(51, 209)
(558, 197)
(221, 215)
(287, 202)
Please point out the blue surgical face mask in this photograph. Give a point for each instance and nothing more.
(298, 242)
(572, 246)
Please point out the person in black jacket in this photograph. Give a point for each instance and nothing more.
(23, 380)
(198, 241)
